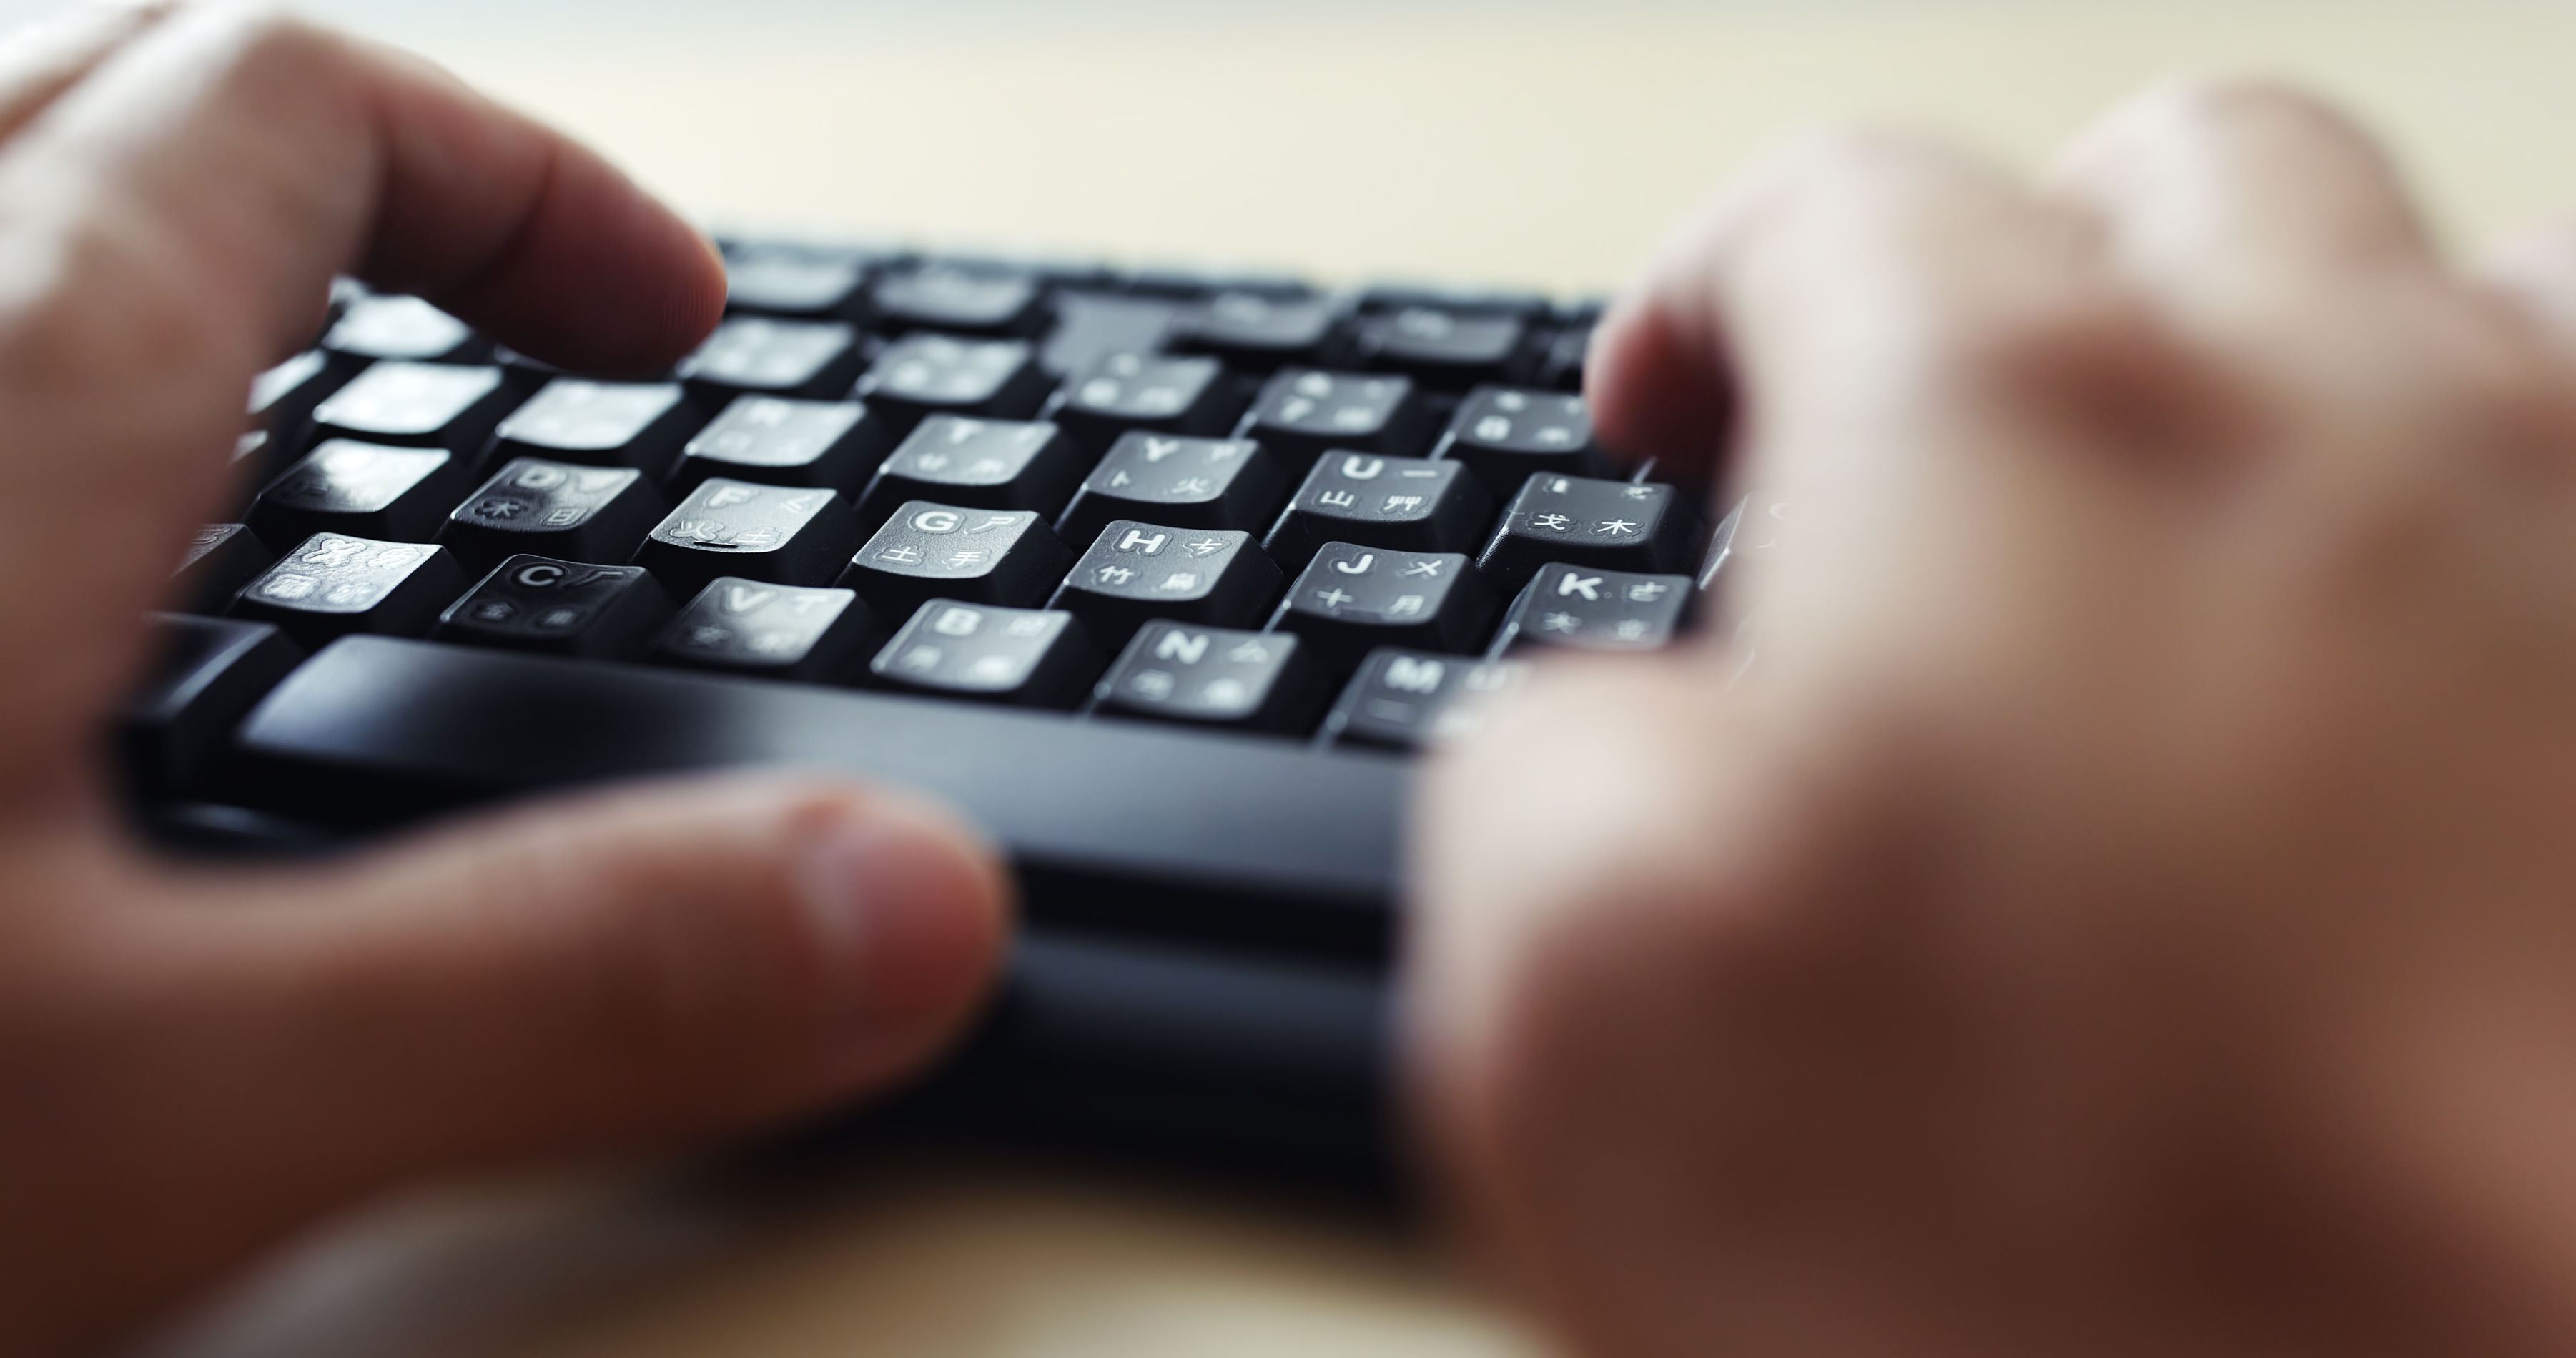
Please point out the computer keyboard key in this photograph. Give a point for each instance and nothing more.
(759, 356)
(220, 559)
(772, 631)
(604, 424)
(1407, 700)
(1612, 525)
(1123, 393)
(1138, 571)
(282, 398)
(416, 405)
(1388, 297)
(1021, 657)
(1597, 610)
(1442, 347)
(831, 445)
(1406, 503)
(404, 328)
(785, 535)
(1259, 332)
(1503, 434)
(535, 603)
(1091, 326)
(1562, 360)
(923, 375)
(960, 299)
(331, 585)
(205, 675)
(1171, 479)
(555, 509)
(977, 464)
(1217, 677)
(801, 282)
(928, 550)
(361, 489)
(1304, 413)
(1350, 600)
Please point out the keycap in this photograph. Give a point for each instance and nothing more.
(797, 281)
(535, 603)
(1407, 700)
(1401, 502)
(1562, 360)
(416, 405)
(779, 534)
(1091, 326)
(759, 356)
(923, 375)
(1351, 600)
(772, 631)
(1258, 332)
(1185, 482)
(1215, 676)
(1188, 282)
(977, 464)
(1443, 347)
(1613, 525)
(1022, 657)
(554, 509)
(1112, 825)
(404, 328)
(960, 299)
(833, 445)
(205, 675)
(331, 585)
(1124, 393)
(282, 398)
(928, 550)
(1136, 571)
(1521, 305)
(360, 489)
(604, 424)
(1597, 610)
(1304, 413)
(220, 559)
(1503, 434)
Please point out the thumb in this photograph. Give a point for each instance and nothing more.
(639, 968)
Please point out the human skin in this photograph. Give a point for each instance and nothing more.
(196, 1063)
(2127, 902)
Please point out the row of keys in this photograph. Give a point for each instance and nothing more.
(784, 409)
(1353, 510)
(1348, 602)
(1444, 338)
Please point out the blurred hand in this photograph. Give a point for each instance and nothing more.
(2129, 903)
(193, 1064)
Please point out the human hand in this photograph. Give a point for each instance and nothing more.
(195, 1063)
(2128, 905)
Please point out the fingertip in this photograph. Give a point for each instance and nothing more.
(1654, 390)
(604, 279)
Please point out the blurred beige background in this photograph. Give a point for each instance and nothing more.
(1543, 143)
(1528, 143)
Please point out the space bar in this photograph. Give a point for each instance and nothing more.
(1114, 827)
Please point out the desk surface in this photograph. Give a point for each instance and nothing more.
(1509, 142)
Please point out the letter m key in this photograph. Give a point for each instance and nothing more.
(1408, 675)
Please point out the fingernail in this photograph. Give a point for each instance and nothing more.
(903, 908)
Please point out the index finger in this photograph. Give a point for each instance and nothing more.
(169, 225)
(281, 152)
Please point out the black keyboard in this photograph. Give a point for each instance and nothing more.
(1164, 579)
